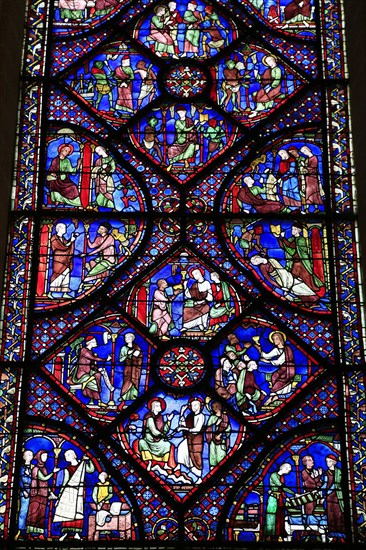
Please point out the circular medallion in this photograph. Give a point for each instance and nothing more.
(181, 367)
(185, 81)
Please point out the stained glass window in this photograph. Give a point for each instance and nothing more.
(182, 335)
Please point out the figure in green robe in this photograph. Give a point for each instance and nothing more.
(185, 144)
(298, 260)
(154, 445)
(276, 509)
(192, 18)
(217, 434)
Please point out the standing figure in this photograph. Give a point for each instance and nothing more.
(231, 86)
(281, 356)
(218, 434)
(196, 308)
(193, 19)
(148, 79)
(63, 190)
(102, 172)
(298, 260)
(333, 496)
(226, 381)
(270, 86)
(276, 509)
(71, 500)
(72, 9)
(102, 83)
(186, 140)
(103, 247)
(89, 375)
(124, 76)
(213, 37)
(215, 135)
(175, 19)
(39, 495)
(160, 32)
(288, 173)
(311, 480)
(288, 178)
(221, 309)
(25, 481)
(131, 356)
(153, 445)
(313, 193)
(62, 260)
(161, 315)
(189, 452)
(150, 141)
(102, 494)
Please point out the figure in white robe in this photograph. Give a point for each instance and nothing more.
(70, 504)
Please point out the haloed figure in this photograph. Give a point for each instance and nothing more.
(62, 189)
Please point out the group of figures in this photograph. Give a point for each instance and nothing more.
(280, 181)
(183, 137)
(80, 11)
(76, 256)
(302, 497)
(204, 29)
(83, 175)
(293, 15)
(288, 258)
(117, 82)
(252, 82)
(182, 446)
(184, 298)
(104, 369)
(259, 369)
(64, 494)
(194, 30)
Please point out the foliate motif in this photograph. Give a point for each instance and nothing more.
(10, 384)
(181, 367)
(185, 304)
(186, 81)
(355, 384)
(345, 235)
(27, 161)
(15, 321)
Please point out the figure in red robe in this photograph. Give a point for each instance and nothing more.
(62, 260)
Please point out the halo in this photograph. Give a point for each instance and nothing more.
(65, 144)
(277, 332)
(161, 401)
(264, 60)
